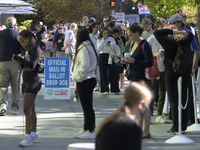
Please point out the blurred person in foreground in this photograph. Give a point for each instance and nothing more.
(121, 130)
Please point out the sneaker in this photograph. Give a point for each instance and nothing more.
(76, 100)
(105, 93)
(3, 110)
(79, 133)
(15, 111)
(35, 139)
(160, 119)
(96, 88)
(172, 132)
(87, 135)
(26, 142)
(118, 93)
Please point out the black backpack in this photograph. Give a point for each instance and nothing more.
(182, 64)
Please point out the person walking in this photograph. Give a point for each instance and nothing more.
(10, 71)
(121, 130)
(31, 84)
(85, 62)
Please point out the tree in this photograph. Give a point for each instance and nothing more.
(166, 8)
(74, 10)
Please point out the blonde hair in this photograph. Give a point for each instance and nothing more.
(133, 94)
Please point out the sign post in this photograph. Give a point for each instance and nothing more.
(57, 78)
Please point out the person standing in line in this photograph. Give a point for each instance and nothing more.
(41, 33)
(141, 57)
(59, 40)
(31, 84)
(109, 72)
(94, 36)
(85, 21)
(158, 52)
(10, 71)
(70, 40)
(169, 39)
(147, 26)
(85, 62)
(121, 130)
(105, 21)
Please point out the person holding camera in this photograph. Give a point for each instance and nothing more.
(109, 72)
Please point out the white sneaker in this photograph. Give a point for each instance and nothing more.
(35, 139)
(160, 119)
(26, 142)
(3, 109)
(79, 133)
(15, 111)
(105, 93)
(87, 135)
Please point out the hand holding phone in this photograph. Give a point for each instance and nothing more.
(108, 43)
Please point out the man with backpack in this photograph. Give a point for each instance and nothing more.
(174, 39)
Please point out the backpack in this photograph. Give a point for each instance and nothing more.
(182, 64)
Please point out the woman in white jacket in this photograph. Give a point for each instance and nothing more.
(85, 62)
(108, 57)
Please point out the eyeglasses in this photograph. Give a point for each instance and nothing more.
(105, 21)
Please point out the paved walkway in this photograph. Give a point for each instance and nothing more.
(58, 120)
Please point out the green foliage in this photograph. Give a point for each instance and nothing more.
(25, 25)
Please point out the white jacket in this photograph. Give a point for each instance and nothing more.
(113, 50)
(85, 63)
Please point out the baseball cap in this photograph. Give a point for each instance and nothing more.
(92, 20)
(176, 18)
(145, 22)
(67, 21)
(85, 18)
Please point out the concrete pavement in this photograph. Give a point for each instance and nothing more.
(58, 120)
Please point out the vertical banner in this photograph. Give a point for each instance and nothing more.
(57, 78)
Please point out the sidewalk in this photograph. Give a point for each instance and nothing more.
(58, 120)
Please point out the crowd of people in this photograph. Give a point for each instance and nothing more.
(100, 53)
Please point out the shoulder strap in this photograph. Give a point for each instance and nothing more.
(143, 47)
(94, 51)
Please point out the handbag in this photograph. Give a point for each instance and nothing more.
(153, 71)
(127, 73)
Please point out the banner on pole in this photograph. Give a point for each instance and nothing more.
(57, 78)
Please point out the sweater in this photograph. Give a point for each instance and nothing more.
(142, 60)
(9, 44)
(85, 63)
(170, 45)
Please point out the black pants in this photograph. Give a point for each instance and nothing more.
(85, 92)
(108, 73)
(172, 90)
